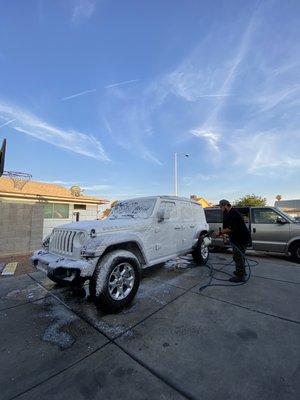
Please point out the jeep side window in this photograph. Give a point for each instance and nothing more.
(169, 206)
(264, 216)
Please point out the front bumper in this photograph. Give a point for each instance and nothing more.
(59, 268)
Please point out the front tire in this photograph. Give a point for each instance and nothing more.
(115, 281)
(295, 252)
(201, 252)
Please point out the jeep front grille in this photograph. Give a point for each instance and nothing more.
(62, 241)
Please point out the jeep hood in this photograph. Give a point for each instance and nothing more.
(107, 225)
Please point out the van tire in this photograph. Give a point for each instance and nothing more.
(200, 253)
(108, 271)
(295, 251)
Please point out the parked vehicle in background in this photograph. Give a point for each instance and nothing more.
(271, 229)
(138, 233)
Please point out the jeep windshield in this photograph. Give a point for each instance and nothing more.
(141, 208)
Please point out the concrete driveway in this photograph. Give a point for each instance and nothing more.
(174, 342)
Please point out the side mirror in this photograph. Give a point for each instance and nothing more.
(281, 220)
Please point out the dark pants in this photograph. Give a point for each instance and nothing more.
(239, 251)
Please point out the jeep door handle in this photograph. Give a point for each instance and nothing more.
(177, 227)
(192, 226)
(254, 230)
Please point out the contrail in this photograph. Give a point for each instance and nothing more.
(213, 95)
(121, 83)
(78, 94)
(8, 122)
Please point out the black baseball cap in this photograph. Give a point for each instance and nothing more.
(224, 202)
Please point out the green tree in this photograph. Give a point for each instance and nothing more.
(251, 200)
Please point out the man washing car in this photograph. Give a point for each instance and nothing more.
(235, 227)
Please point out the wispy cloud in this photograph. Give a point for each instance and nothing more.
(207, 129)
(211, 137)
(78, 94)
(132, 121)
(7, 123)
(190, 82)
(97, 188)
(201, 91)
(270, 98)
(59, 182)
(83, 10)
(213, 95)
(197, 178)
(264, 152)
(121, 83)
(127, 121)
(74, 141)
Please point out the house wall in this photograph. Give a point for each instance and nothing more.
(48, 223)
(84, 215)
(21, 227)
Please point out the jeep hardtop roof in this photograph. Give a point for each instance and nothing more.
(167, 197)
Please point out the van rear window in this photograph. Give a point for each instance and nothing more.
(213, 215)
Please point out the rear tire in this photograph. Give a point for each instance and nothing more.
(115, 281)
(295, 251)
(200, 253)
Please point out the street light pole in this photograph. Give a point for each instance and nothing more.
(176, 171)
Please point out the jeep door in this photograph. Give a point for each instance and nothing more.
(167, 233)
(188, 226)
(267, 232)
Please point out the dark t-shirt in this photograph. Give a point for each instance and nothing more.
(235, 222)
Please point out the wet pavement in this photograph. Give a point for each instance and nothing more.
(173, 342)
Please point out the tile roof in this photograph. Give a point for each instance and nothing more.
(201, 200)
(45, 190)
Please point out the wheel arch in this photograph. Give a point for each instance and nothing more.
(293, 241)
(131, 246)
(292, 244)
(202, 233)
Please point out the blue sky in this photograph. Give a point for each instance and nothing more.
(102, 93)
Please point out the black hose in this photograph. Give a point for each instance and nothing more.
(248, 264)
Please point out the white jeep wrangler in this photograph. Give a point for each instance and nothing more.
(111, 253)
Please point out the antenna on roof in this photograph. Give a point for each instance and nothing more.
(76, 191)
(19, 179)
